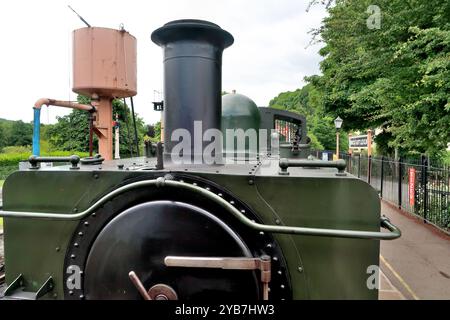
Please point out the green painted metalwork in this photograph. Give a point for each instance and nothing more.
(319, 267)
(239, 112)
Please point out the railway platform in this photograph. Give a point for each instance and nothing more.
(418, 263)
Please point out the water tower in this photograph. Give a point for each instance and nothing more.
(104, 68)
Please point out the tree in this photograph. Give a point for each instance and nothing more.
(2, 137)
(394, 77)
(21, 134)
(308, 102)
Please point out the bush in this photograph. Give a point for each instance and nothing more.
(16, 149)
(5, 171)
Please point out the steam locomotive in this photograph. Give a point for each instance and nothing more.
(271, 223)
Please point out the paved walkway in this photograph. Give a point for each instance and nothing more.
(418, 263)
(387, 290)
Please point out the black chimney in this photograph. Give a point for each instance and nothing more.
(192, 79)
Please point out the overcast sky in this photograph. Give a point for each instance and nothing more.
(269, 54)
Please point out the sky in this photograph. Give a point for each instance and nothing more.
(270, 53)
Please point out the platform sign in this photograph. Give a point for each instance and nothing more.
(358, 141)
(411, 185)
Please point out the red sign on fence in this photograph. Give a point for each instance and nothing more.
(411, 186)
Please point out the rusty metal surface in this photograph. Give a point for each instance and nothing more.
(104, 62)
(162, 292)
(66, 104)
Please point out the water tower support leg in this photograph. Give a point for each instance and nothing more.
(104, 128)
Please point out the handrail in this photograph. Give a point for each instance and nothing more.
(162, 182)
(284, 164)
(34, 160)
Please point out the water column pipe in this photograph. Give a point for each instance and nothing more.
(37, 117)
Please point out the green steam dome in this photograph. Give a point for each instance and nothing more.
(240, 112)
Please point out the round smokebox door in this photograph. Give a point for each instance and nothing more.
(139, 239)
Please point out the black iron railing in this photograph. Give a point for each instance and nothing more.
(417, 186)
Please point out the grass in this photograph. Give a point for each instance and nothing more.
(1, 220)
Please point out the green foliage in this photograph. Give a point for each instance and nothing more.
(13, 159)
(16, 149)
(15, 133)
(9, 162)
(156, 132)
(308, 102)
(71, 132)
(315, 143)
(2, 137)
(395, 77)
(446, 158)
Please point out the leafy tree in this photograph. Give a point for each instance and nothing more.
(394, 77)
(308, 102)
(21, 134)
(2, 137)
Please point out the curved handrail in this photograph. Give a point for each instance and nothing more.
(162, 182)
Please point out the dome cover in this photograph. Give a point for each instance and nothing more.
(240, 112)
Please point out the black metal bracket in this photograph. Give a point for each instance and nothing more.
(35, 160)
(97, 159)
(15, 289)
(159, 156)
(158, 106)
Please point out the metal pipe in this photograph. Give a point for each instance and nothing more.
(139, 286)
(36, 131)
(162, 182)
(37, 117)
(130, 144)
(91, 135)
(136, 140)
(66, 104)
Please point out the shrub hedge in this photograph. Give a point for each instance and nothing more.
(9, 162)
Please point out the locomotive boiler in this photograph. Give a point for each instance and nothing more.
(268, 223)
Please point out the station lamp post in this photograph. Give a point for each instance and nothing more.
(338, 124)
